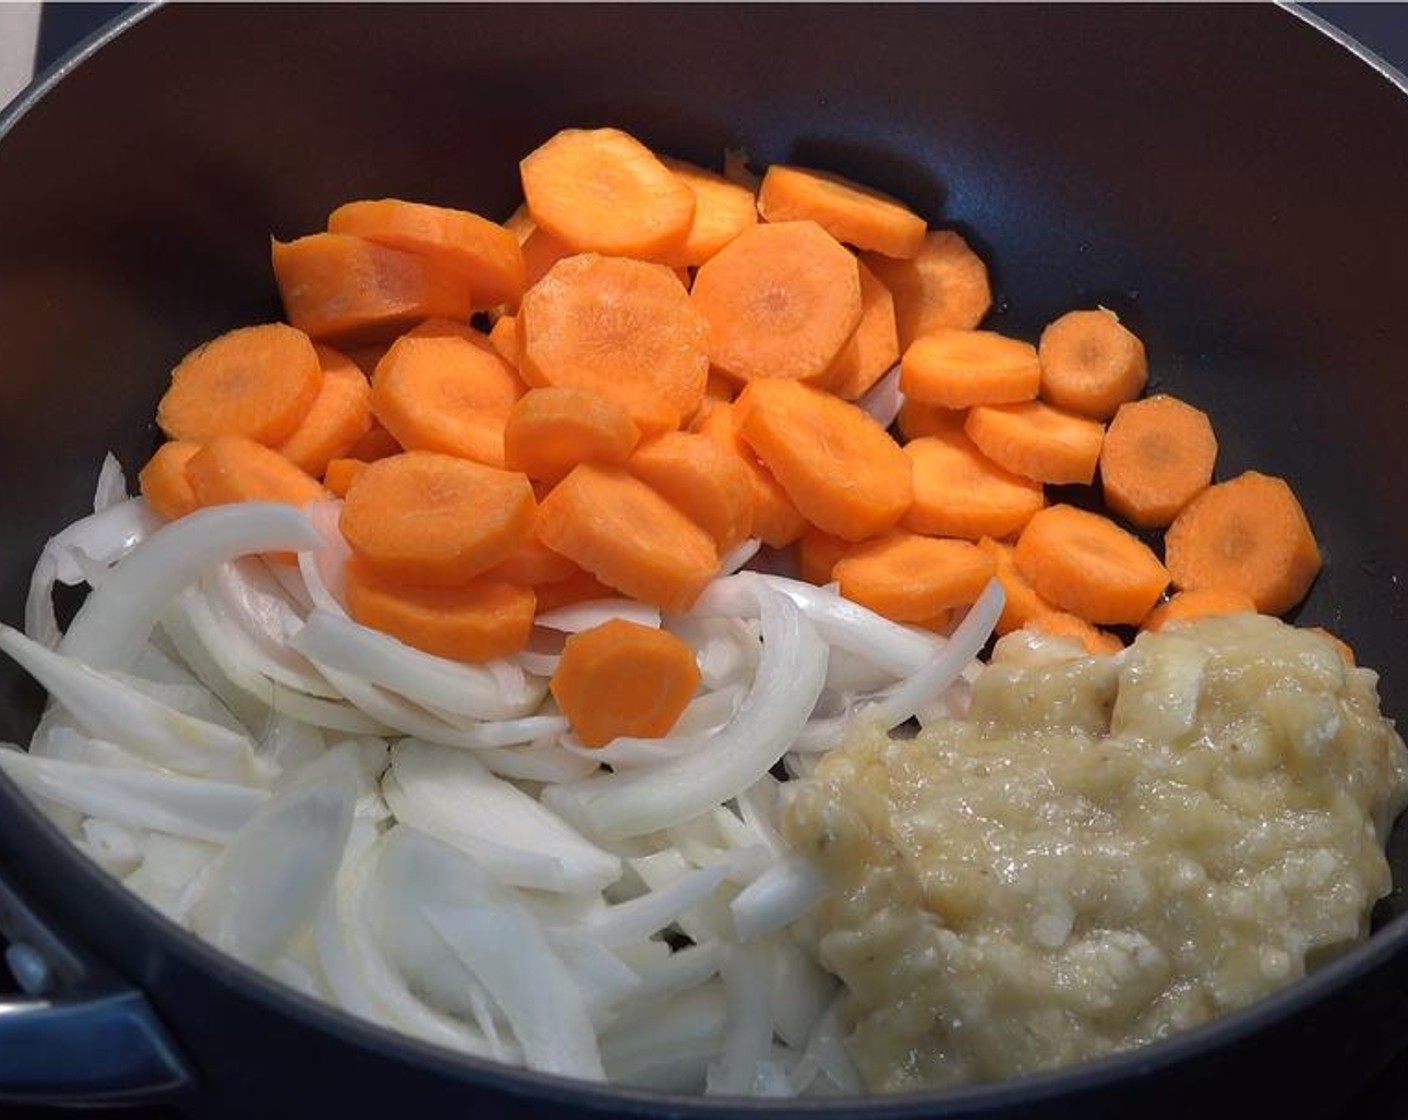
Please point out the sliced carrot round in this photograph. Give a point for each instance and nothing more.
(959, 369)
(910, 578)
(621, 328)
(1196, 603)
(697, 476)
(1021, 601)
(475, 621)
(1158, 454)
(549, 431)
(341, 415)
(164, 482)
(624, 679)
(1063, 624)
(946, 285)
(780, 301)
(1091, 363)
(436, 520)
(235, 469)
(917, 420)
(874, 346)
(776, 520)
(850, 212)
(533, 563)
(722, 210)
(1037, 441)
(601, 190)
(817, 553)
(258, 382)
(339, 473)
(960, 492)
(579, 587)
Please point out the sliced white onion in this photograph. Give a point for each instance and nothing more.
(111, 486)
(778, 897)
(735, 558)
(105, 536)
(883, 400)
(801, 990)
(747, 1023)
(669, 1049)
(40, 621)
(576, 617)
(704, 715)
(543, 761)
(653, 911)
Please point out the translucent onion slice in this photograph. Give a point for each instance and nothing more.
(117, 619)
(703, 715)
(668, 1049)
(111, 486)
(883, 400)
(542, 761)
(778, 897)
(576, 617)
(747, 1040)
(40, 621)
(735, 558)
(105, 536)
(801, 990)
(651, 912)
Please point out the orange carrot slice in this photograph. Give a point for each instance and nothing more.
(780, 301)
(909, 578)
(1157, 455)
(706, 483)
(164, 483)
(624, 679)
(339, 473)
(549, 431)
(1193, 604)
(722, 210)
(817, 553)
(378, 443)
(1248, 534)
(341, 415)
(850, 212)
(874, 346)
(960, 492)
(1021, 601)
(917, 420)
(475, 621)
(602, 191)
(1037, 441)
(621, 328)
(615, 526)
(841, 469)
(534, 563)
(235, 469)
(485, 252)
(435, 520)
(1086, 564)
(579, 587)
(776, 519)
(504, 338)
(1091, 363)
(946, 285)
(958, 369)
(258, 382)
(1062, 624)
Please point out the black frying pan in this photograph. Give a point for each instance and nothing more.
(1228, 179)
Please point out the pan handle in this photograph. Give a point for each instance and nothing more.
(76, 1033)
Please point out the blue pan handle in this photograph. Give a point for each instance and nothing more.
(77, 1034)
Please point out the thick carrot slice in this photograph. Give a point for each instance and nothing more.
(504, 337)
(579, 587)
(624, 679)
(847, 210)
(1063, 624)
(602, 191)
(534, 563)
(258, 382)
(378, 443)
(1021, 601)
(549, 431)
(1091, 363)
(909, 578)
(817, 553)
(1037, 441)
(621, 328)
(874, 346)
(1193, 604)
(1248, 534)
(776, 519)
(612, 524)
(917, 420)
(960, 492)
(446, 392)
(485, 252)
(841, 469)
(440, 327)
(348, 291)
(946, 285)
(958, 369)
(1086, 564)
(1158, 454)
(235, 469)
(164, 482)
(339, 473)
(722, 210)
(435, 520)
(476, 621)
(341, 415)
(780, 301)
(706, 483)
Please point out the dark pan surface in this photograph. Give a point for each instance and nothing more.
(1226, 178)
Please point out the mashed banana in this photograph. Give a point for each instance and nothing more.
(1105, 851)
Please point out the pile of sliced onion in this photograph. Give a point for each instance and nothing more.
(424, 843)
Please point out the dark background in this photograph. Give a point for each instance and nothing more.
(1383, 27)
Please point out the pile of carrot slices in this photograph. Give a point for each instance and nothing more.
(650, 363)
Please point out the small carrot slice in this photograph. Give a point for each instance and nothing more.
(475, 621)
(1091, 363)
(1086, 564)
(776, 519)
(841, 469)
(621, 328)
(917, 420)
(533, 563)
(612, 524)
(579, 587)
(1193, 604)
(378, 443)
(435, 520)
(549, 431)
(339, 473)
(1247, 534)
(1021, 601)
(624, 679)
(258, 382)
(946, 285)
(958, 369)
(960, 492)
(1158, 454)
(780, 301)
(817, 553)
(1063, 624)
(504, 337)
(348, 291)
(235, 469)
(706, 483)
(164, 483)
(722, 210)
(484, 252)
(850, 212)
(874, 346)
(1037, 441)
(341, 414)
(601, 190)
(446, 392)
(910, 578)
